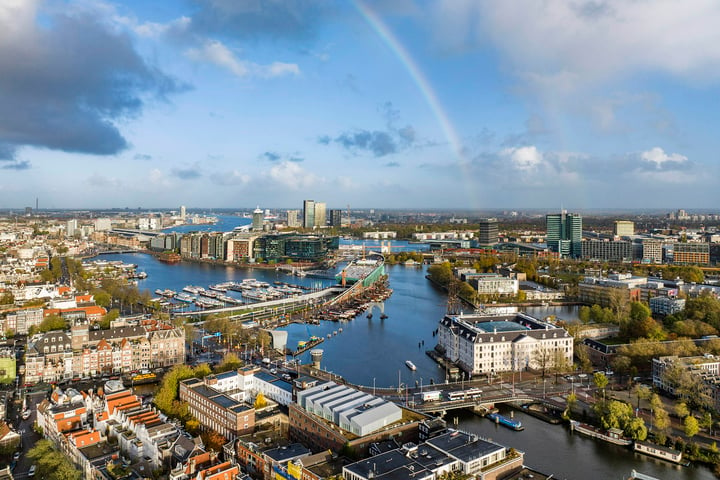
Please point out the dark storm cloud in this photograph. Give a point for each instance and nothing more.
(280, 19)
(64, 84)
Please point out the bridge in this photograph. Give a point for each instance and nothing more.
(532, 390)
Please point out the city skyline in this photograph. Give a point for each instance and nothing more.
(403, 104)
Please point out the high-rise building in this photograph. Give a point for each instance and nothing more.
(488, 232)
(564, 233)
(257, 219)
(71, 227)
(335, 218)
(308, 213)
(182, 212)
(320, 216)
(293, 218)
(623, 228)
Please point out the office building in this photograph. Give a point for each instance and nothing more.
(320, 215)
(308, 213)
(488, 232)
(257, 220)
(652, 251)
(564, 234)
(623, 228)
(607, 250)
(335, 218)
(182, 212)
(601, 290)
(293, 218)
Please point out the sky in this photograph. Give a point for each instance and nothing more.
(461, 104)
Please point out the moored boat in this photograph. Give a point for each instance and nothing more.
(612, 435)
(506, 422)
(410, 365)
(657, 451)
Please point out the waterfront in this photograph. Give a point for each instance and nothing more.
(368, 350)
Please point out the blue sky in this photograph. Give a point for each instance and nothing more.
(394, 103)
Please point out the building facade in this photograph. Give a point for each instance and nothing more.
(484, 344)
(564, 234)
(487, 232)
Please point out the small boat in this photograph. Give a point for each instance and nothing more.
(410, 365)
(369, 316)
(383, 316)
(506, 422)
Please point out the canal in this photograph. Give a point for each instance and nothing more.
(369, 351)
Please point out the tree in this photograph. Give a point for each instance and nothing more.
(7, 299)
(108, 318)
(51, 464)
(229, 362)
(260, 401)
(584, 314)
(600, 381)
(102, 298)
(691, 426)
(52, 322)
(213, 440)
(681, 410)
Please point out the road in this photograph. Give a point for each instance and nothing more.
(24, 427)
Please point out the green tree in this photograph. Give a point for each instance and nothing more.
(441, 273)
(584, 314)
(600, 381)
(229, 362)
(108, 318)
(102, 298)
(52, 322)
(690, 426)
(681, 410)
(51, 464)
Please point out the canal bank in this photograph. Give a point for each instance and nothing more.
(374, 351)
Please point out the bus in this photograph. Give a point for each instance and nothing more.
(432, 396)
(469, 394)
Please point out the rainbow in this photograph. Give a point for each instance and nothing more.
(418, 77)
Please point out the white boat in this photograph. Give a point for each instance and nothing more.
(410, 365)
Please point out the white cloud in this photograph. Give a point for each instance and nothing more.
(292, 175)
(659, 158)
(560, 44)
(524, 158)
(217, 53)
(158, 178)
(233, 177)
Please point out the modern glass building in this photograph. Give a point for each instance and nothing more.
(564, 234)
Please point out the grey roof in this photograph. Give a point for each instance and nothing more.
(464, 446)
(114, 333)
(283, 454)
(392, 465)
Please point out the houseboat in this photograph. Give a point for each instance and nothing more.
(664, 453)
(611, 435)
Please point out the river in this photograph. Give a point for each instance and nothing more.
(371, 351)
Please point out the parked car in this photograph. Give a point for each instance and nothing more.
(31, 472)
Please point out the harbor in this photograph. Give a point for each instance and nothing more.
(374, 351)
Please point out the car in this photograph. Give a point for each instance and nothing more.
(16, 456)
(31, 472)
